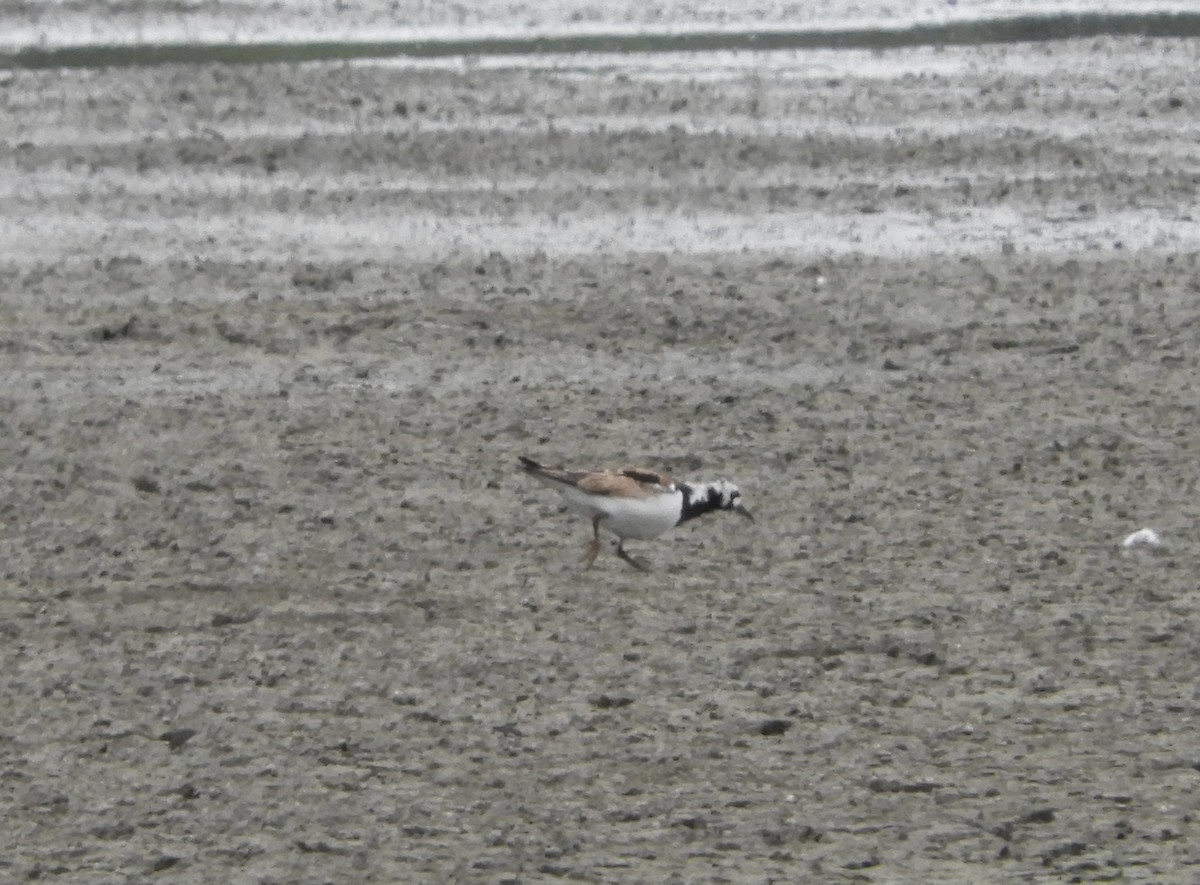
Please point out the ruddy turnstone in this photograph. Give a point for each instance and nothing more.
(632, 502)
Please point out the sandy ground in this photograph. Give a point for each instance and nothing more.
(277, 607)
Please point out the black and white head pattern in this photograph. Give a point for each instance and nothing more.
(705, 497)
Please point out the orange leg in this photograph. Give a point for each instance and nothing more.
(593, 546)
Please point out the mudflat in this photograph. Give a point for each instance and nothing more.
(277, 605)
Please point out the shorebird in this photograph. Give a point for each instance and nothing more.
(633, 502)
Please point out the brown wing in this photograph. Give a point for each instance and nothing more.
(628, 482)
(645, 474)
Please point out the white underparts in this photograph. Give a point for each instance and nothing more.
(639, 519)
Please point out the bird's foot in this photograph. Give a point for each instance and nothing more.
(636, 563)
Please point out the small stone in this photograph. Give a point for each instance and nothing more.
(224, 619)
(605, 702)
(772, 727)
(177, 737)
(144, 483)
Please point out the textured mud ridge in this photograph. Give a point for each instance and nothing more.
(277, 605)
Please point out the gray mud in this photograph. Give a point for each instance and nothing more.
(277, 606)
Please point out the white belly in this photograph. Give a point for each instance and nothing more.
(637, 518)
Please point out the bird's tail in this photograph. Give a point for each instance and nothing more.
(552, 475)
(529, 465)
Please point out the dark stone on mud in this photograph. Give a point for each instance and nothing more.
(605, 702)
(116, 333)
(177, 737)
(144, 483)
(164, 862)
(225, 619)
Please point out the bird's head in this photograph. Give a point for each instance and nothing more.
(728, 496)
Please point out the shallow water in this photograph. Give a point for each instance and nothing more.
(157, 21)
(139, 48)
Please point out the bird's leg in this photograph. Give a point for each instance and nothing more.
(593, 546)
(637, 564)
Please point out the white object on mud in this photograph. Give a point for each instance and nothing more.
(1143, 538)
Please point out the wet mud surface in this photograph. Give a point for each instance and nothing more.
(278, 607)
